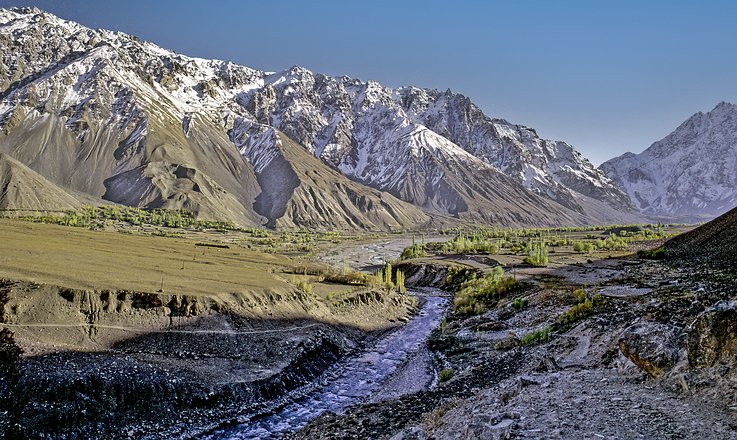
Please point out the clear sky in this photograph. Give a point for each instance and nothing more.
(605, 76)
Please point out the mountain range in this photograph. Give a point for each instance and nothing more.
(104, 116)
(690, 174)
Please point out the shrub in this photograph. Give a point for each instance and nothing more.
(475, 243)
(537, 336)
(305, 287)
(417, 250)
(583, 246)
(476, 293)
(583, 308)
(613, 242)
(520, 303)
(653, 254)
(445, 374)
(575, 313)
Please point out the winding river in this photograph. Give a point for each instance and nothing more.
(373, 374)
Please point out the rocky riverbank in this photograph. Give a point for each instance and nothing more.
(146, 365)
(652, 358)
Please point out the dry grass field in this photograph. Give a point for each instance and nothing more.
(85, 259)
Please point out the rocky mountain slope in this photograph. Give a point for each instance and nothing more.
(712, 244)
(120, 119)
(550, 168)
(690, 173)
(436, 150)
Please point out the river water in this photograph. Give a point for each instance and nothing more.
(360, 378)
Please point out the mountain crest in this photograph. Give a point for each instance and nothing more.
(115, 117)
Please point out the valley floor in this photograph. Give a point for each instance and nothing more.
(148, 336)
(230, 340)
(578, 384)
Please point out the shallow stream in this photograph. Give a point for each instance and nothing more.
(362, 377)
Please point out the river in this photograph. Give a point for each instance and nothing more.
(376, 373)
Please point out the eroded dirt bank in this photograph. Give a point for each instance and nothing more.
(122, 363)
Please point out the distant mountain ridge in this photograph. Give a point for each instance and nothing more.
(691, 173)
(111, 116)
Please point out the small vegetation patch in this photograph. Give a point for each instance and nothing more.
(653, 254)
(537, 254)
(470, 243)
(417, 250)
(97, 216)
(584, 307)
(476, 294)
(520, 303)
(445, 375)
(537, 336)
(583, 247)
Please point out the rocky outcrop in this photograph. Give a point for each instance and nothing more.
(713, 336)
(653, 347)
(431, 274)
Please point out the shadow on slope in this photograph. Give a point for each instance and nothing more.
(175, 380)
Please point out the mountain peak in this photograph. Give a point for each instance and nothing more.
(25, 10)
(724, 105)
(688, 173)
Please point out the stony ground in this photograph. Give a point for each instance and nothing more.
(579, 384)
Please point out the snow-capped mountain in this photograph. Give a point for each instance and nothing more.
(691, 173)
(386, 138)
(550, 168)
(106, 114)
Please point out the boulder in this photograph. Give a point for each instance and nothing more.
(653, 347)
(713, 335)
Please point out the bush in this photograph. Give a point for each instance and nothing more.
(520, 303)
(445, 375)
(537, 336)
(613, 243)
(305, 287)
(476, 293)
(653, 254)
(583, 308)
(583, 246)
(575, 313)
(476, 243)
(417, 250)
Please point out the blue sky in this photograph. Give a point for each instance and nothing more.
(607, 77)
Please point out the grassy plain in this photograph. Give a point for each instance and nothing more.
(87, 259)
